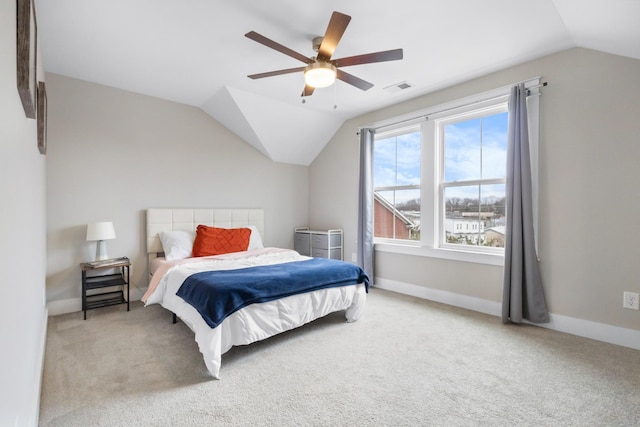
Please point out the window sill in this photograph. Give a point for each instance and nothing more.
(450, 254)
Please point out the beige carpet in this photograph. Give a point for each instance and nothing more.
(407, 362)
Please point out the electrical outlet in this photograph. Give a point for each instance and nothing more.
(631, 300)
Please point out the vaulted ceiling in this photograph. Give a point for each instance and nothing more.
(195, 52)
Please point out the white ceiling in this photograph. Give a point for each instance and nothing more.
(194, 52)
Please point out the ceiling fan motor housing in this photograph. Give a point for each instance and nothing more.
(316, 42)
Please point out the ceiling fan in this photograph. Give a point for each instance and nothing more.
(321, 70)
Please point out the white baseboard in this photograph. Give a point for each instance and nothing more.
(472, 303)
(37, 384)
(580, 327)
(73, 305)
(597, 331)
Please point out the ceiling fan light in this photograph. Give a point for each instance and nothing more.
(320, 74)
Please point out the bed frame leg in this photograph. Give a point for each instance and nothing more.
(174, 318)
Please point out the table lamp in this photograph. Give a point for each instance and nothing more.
(100, 231)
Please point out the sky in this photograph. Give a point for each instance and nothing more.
(407, 154)
(476, 149)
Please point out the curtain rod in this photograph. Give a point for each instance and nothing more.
(422, 116)
(426, 116)
(543, 84)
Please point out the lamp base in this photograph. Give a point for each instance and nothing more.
(101, 250)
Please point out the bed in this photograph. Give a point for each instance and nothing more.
(174, 269)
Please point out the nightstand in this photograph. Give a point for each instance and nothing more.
(319, 244)
(105, 274)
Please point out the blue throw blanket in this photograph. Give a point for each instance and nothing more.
(218, 294)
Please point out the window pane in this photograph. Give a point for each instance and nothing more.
(494, 146)
(475, 215)
(461, 221)
(396, 160)
(397, 214)
(462, 143)
(493, 207)
(408, 159)
(476, 149)
(384, 162)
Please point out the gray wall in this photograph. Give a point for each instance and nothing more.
(589, 175)
(113, 154)
(22, 246)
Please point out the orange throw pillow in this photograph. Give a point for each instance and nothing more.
(217, 241)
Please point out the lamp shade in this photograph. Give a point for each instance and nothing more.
(320, 74)
(101, 231)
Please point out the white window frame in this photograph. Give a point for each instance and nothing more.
(432, 221)
(499, 105)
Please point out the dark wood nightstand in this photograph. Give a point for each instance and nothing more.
(106, 273)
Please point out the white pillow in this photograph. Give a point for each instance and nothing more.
(177, 244)
(255, 241)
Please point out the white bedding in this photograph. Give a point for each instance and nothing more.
(254, 322)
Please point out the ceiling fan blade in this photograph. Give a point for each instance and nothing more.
(368, 58)
(276, 73)
(353, 80)
(308, 90)
(276, 46)
(335, 30)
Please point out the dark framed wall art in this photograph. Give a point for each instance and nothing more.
(27, 39)
(42, 118)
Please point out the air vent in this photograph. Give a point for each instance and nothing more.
(398, 87)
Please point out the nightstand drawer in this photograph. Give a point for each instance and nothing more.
(325, 241)
(326, 253)
(302, 243)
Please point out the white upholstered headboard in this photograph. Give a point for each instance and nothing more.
(188, 219)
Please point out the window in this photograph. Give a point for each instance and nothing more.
(397, 185)
(440, 182)
(473, 149)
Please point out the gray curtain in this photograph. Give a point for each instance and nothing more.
(365, 203)
(522, 294)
